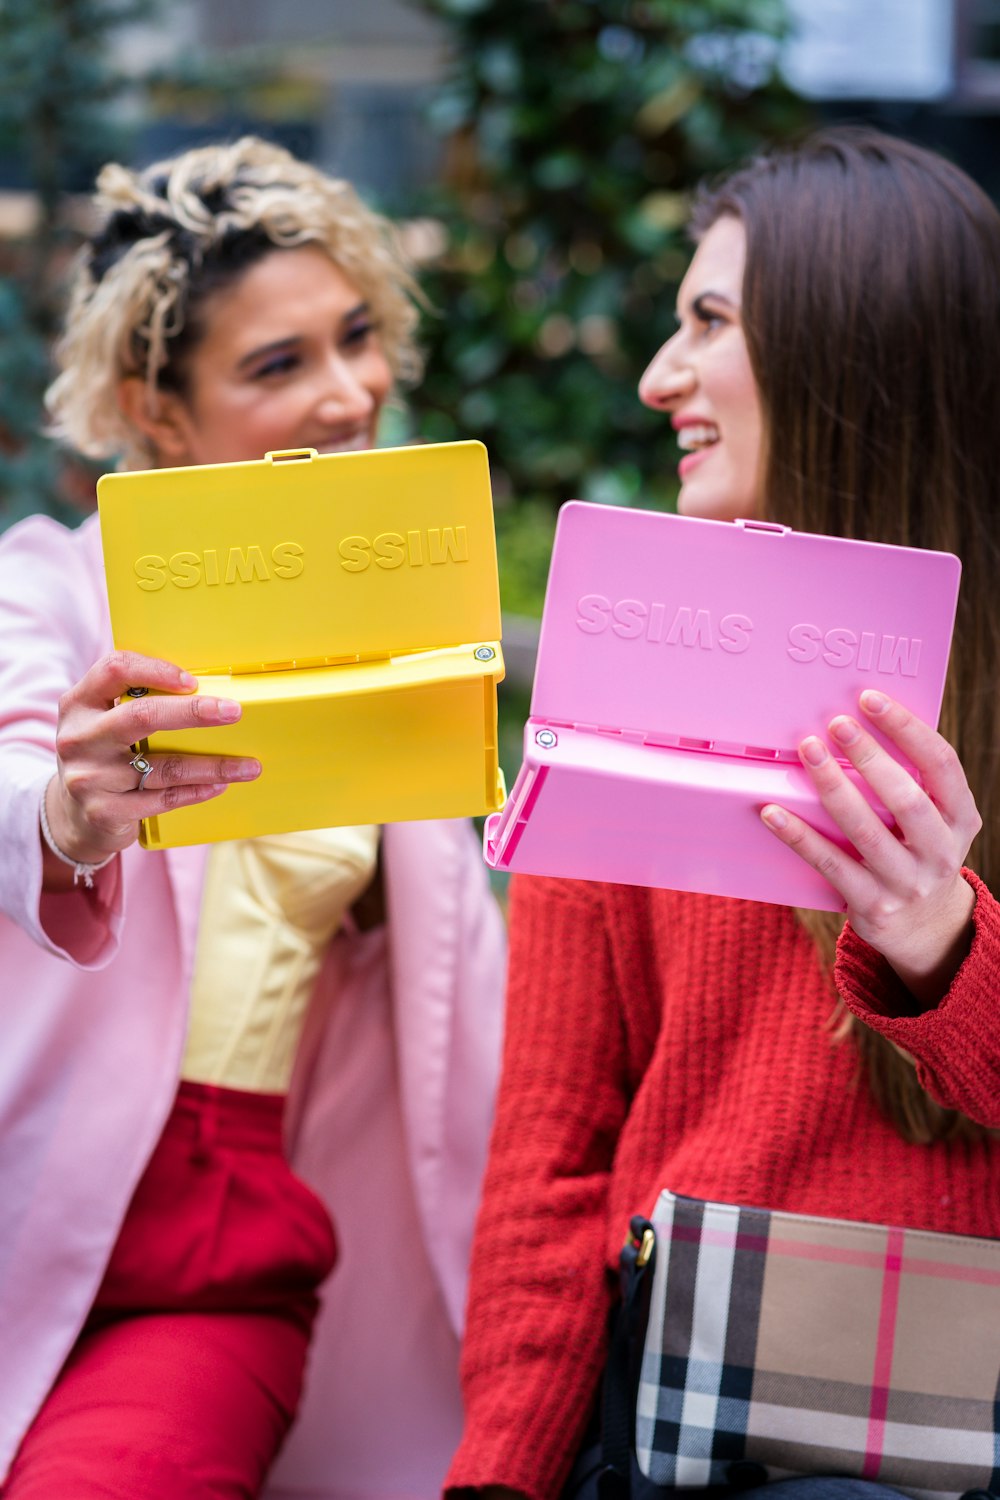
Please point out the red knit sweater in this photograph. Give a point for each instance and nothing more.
(657, 1039)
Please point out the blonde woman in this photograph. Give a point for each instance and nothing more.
(178, 1183)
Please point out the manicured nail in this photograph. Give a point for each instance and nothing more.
(873, 703)
(845, 731)
(774, 817)
(813, 751)
(229, 711)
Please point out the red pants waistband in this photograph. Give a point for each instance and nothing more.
(233, 1117)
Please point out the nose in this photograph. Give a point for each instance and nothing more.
(344, 396)
(667, 380)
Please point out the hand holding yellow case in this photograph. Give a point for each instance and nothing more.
(349, 602)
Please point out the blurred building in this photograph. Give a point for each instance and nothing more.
(351, 81)
(927, 69)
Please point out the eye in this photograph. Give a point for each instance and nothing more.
(276, 366)
(359, 334)
(708, 316)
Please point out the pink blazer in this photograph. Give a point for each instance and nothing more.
(390, 1108)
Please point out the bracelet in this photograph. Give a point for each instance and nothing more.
(81, 870)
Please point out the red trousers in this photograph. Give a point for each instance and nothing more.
(187, 1375)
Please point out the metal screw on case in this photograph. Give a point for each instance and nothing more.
(485, 653)
(137, 692)
(547, 738)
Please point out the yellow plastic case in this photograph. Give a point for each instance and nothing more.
(348, 601)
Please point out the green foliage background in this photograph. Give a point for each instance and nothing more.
(66, 108)
(58, 123)
(575, 131)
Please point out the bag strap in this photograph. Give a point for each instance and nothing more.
(637, 1260)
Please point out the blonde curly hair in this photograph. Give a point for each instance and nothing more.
(170, 236)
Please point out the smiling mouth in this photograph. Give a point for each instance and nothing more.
(697, 437)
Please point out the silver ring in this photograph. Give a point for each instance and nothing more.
(144, 767)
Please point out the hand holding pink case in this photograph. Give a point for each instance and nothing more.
(680, 664)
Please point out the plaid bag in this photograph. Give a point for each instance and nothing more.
(818, 1346)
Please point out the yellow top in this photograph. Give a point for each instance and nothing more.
(270, 907)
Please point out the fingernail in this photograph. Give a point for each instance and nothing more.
(245, 770)
(186, 680)
(872, 702)
(844, 730)
(228, 710)
(813, 750)
(774, 817)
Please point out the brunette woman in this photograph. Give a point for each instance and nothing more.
(835, 369)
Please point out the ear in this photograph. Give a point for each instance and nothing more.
(160, 416)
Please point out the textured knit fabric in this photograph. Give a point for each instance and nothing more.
(657, 1039)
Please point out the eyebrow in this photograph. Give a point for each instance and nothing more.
(263, 351)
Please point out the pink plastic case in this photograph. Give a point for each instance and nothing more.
(680, 664)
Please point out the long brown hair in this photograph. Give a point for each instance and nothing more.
(871, 308)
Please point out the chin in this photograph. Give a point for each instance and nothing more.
(360, 444)
(709, 505)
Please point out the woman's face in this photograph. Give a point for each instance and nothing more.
(702, 377)
(289, 358)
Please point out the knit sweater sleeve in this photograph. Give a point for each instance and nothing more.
(956, 1045)
(540, 1293)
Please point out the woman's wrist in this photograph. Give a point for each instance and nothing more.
(83, 869)
(928, 963)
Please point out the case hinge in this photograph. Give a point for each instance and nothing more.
(291, 456)
(774, 526)
(303, 664)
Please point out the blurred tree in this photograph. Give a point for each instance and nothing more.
(58, 89)
(575, 130)
(66, 107)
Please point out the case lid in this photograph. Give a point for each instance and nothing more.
(301, 559)
(742, 637)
